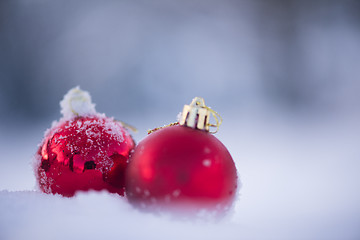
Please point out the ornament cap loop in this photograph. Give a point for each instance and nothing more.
(197, 115)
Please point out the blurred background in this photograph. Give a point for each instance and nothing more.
(154, 56)
(284, 75)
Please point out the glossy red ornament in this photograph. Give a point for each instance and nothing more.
(181, 166)
(84, 153)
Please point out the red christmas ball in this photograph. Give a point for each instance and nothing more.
(181, 166)
(86, 151)
(82, 154)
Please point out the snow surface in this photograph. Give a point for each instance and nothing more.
(300, 180)
(76, 103)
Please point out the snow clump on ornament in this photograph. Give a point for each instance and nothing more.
(83, 151)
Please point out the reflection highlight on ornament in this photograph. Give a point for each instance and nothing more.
(147, 173)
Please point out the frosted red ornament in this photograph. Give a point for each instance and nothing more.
(182, 166)
(83, 152)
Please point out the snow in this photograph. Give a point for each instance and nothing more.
(93, 216)
(300, 180)
(76, 103)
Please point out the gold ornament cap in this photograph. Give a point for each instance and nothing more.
(197, 115)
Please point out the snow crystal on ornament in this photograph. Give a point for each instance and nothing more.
(77, 103)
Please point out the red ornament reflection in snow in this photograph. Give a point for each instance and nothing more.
(83, 151)
(183, 166)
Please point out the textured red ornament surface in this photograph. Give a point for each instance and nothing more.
(181, 166)
(84, 153)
